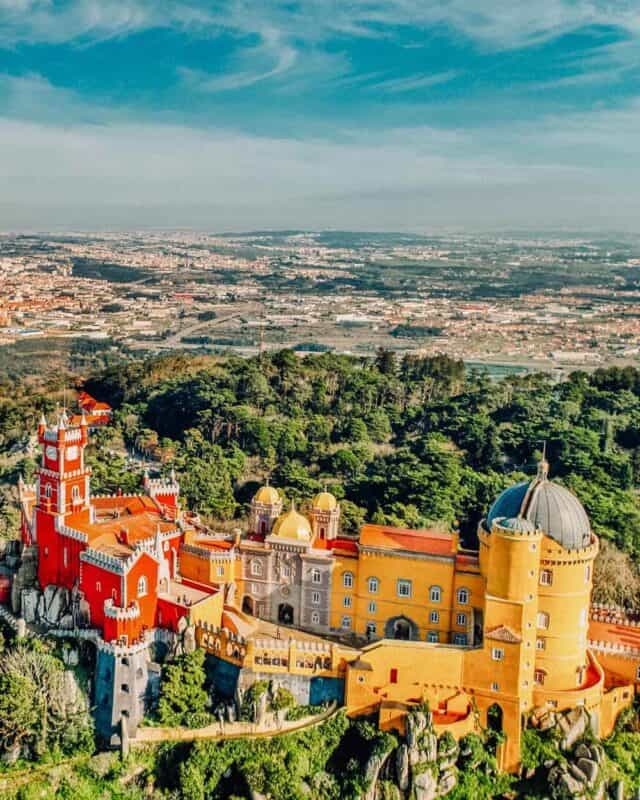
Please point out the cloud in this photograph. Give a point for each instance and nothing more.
(410, 83)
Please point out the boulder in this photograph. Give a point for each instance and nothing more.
(589, 769)
(425, 786)
(56, 604)
(566, 783)
(402, 767)
(582, 751)
(66, 621)
(447, 782)
(29, 604)
(573, 726)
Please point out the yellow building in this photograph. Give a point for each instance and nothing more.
(488, 636)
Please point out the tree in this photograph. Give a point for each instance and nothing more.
(183, 698)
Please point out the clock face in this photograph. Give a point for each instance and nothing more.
(72, 453)
(51, 453)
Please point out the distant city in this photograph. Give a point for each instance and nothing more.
(502, 303)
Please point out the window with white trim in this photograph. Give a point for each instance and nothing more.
(541, 643)
(346, 623)
(433, 636)
(372, 607)
(542, 620)
(373, 585)
(497, 653)
(435, 594)
(316, 576)
(403, 588)
(461, 619)
(256, 568)
(315, 598)
(220, 571)
(495, 687)
(538, 676)
(463, 596)
(460, 638)
(546, 577)
(142, 586)
(434, 617)
(347, 580)
(347, 602)
(315, 618)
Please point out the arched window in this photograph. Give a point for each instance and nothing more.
(256, 568)
(347, 580)
(315, 618)
(316, 576)
(463, 596)
(373, 585)
(47, 491)
(142, 586)
(435, 594)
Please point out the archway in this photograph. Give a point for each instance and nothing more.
(249, 605)
(285, 614)
(494, 718)
(400, 628)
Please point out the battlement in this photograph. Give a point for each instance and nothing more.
(111, 610)
(72, 533)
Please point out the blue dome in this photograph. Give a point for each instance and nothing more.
(548, 507)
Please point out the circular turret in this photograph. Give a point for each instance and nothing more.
(324, 501)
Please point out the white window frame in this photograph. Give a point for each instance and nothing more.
(345, 623)
(347, 601)
(256, 568)
(143, 586)
(461, 618)
(497, 653)
(463, 595)
(460, 639)
(220, 571)
(433, 637)
(315, 617)
(541, 643)
(372, 607)
(347, 580)
(546, 577)
(543, 620)
(435, 594)
(315, 598)
(316, 576)
(434, 617)
(402, 584)
(373, 585)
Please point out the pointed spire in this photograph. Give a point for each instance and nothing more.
(83, 418)
(172, 475)
(543, 464)
(43, 420)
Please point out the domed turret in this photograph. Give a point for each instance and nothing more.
(267, 495)
(324, 501)
(292, 525)
(548, 506)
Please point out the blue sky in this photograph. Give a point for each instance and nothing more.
(370, 114)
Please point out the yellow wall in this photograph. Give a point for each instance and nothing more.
(338, 610)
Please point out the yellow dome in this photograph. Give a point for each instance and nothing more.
(325, 501)
(292, 525)
(267, 495)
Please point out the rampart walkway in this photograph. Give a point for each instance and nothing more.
(229, 730)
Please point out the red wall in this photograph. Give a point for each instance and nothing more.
(99, 585)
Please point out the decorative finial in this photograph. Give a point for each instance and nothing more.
(172, 475)
(43, 420)
(543, 464)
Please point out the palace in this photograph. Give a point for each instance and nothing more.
(379, 622)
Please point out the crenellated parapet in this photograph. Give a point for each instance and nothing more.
(112, 611)
(72, 533)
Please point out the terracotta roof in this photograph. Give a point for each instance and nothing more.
(614, 633)
(430, 542)
(503, 634)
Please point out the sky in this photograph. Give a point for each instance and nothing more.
(403, 115)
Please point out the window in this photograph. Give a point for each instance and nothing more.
(434, 617)
(433, 636)
(372, 607)
(371, 628)
(47, 491)
(435, 594)
(461, 619)
(497, 653)
(315, 598)
(587, 573)
(315, 618)
(541, 643)
(316, 576)
(346, 623)
(346, 601)
(65, 557)
(373, 584)
(124, 688)
(255, 588)
(546, 577)
(539, 676)
(286, 571)
(75, 493)
(220, 571)
(542, 620)
(463, 596)
(495, 687)
(256, 568)
(460, 638)
(580, 676)
(142, 586)
(98, 587)
(393, 675)
(638, 674)
(403, 588)
(347, 580)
